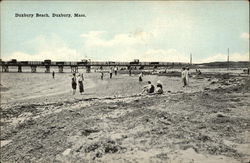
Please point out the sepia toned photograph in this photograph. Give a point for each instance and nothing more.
(125, 82)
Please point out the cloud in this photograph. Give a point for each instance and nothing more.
(169, 55)
(223, 57)
(93, 34)
(245, 35)
(151, 55)
(120, 47)
(134, 45)
(46, 47)
(129, 46)
(95, 39)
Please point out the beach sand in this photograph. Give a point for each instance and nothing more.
(42, 121)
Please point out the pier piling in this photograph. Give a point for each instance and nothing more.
(33, 69)
(19, 68)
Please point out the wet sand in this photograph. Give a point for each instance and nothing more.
(18, 87)
(206, 122)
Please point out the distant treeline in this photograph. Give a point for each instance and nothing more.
(231, 64)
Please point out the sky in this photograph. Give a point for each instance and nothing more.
(165, 31)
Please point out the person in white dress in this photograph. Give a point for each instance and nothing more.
(183, 76)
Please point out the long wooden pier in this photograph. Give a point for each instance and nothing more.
(47, 64)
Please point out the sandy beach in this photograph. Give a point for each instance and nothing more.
(208, 121)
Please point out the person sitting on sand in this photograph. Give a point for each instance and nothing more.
(149, 88)
(159, 88)
(198, 72)
(183, 76)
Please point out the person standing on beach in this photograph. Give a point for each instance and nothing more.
(73, 83)
(140, 77)
(53, 74)
(110, 73)
(80, 82)
(187, 75)
(115, 70)
(130, 71)
(183, 76)
(102, 74)
(81, 76)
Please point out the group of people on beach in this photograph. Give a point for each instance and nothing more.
(149, 88)
(111, 70)
(80, 79)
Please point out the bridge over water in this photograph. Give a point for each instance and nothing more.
(47, 64)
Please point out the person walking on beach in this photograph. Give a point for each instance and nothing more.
(110, 73)
(130, 71)
(183, 77)
(102, 74)
(73, 83)
(53, 74)
(140, 77)
(80, 82)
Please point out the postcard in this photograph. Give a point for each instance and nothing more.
(125, 81)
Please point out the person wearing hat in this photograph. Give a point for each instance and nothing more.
(159, 88)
